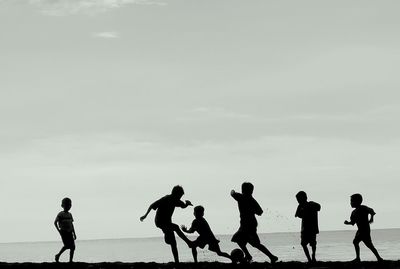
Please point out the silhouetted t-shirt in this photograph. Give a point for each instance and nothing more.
(309, 217)
(165, 208)
(248, 208)
(65, 220)
(359, 216)
(203, 229)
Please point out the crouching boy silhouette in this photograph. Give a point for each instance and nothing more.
(206, 236)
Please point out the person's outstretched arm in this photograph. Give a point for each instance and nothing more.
(152, 206)
(185, 204)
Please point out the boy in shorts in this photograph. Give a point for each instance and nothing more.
(360, 216)
(247, 233)
(308, 212)
(64, 225)
(165, 207)
(206, 236)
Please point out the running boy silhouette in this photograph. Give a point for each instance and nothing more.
(206, 236)
(165, 207)
(247, 233)
(64, 225)
(308, 212)
(360, 216)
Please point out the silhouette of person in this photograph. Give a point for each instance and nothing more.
(360, 216)
(165, 207)
(206, 236)
(64, 225)
(308, 212)
(247, 233)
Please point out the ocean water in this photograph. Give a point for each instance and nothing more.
(332, 246)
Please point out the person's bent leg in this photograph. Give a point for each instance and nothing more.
(264, 250)
(178, 231)
(57, 257)
(218, 251)
(246, 252)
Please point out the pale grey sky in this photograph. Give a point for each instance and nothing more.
(112, 102)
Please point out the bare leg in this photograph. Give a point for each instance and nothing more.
(194, 252)
(57, 257)
(224, 254)
(247, 255)
(357, 249)
(373, 249)
(181, 234)
(175, 252)
(305, 248)
(264, 250)
(314, 250)
(71, 254)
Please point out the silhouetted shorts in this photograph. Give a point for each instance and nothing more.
(309, 238)
(363, 237)
(168, 230)
(244, 236)
(68, 239)
(213, 244)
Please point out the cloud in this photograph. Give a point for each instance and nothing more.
(69, 7)
(107, 35)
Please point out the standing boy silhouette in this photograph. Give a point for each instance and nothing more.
(165, 207)
(64, 225)
(247, 233)
(206, 236)
(308, 212)
(360, 216)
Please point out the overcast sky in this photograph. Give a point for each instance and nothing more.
(113, 102)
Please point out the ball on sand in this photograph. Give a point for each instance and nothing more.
(237, 255)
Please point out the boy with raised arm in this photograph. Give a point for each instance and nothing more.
(64, 225)
(360, 216)
(206, 236)
(308, 212)
(165, 207)
(247, 233)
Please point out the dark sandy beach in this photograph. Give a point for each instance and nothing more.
(204, 265)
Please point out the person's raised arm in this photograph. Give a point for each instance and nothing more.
(235, 195)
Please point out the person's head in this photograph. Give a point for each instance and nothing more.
(247, 188)
(66, 203)
(356, 200)
(301, 197)
(177, 192)
(198, 211)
